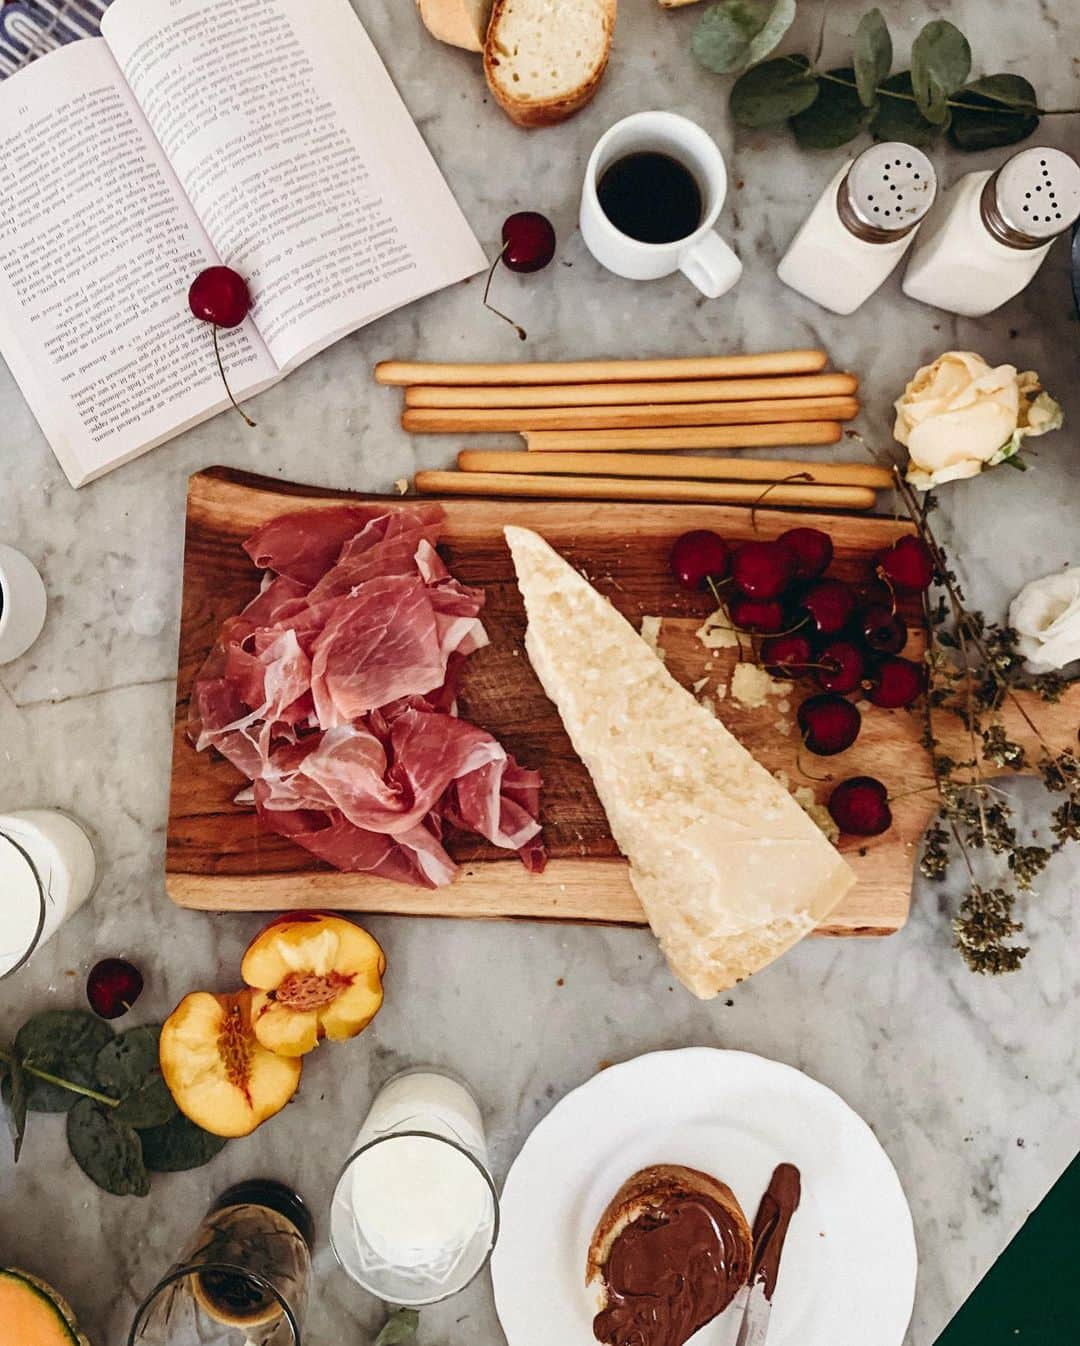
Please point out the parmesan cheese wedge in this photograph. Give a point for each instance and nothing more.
(730, 870)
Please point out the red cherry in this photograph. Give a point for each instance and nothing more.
(786, 656)
(762, 616)
(763, 569)
(698, 556)
(908, 565)
(112, 987)
(528, 244)
(528, 241)
(861, 806)
(220, 295)
(896, 683)
(830, 604)
(882, 630)
(813, 551)
(829, 723)
(842, 667)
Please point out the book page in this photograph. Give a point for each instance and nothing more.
(98, 246)
(299, 157)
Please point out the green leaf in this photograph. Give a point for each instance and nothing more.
(770, 93)
(899, 118)
(106, 1150)
(941, 57)
(399, 1327)
(178, 1146)
(14, 1080)
(873, 55)
(64, 1043)
(1000, 124)
(834, 117)
(737, 33)
(128, 1068)
(936, 107)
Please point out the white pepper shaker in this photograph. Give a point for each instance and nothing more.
(990, 232)
(862, 225)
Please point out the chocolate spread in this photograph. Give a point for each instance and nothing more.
(670, 1272)
(778, 1205)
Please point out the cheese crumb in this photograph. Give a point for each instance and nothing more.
(402, 486)
(650, 634)
(721, 690)
(717, 633)
(818, 813)
(751, 686)
(701, 682)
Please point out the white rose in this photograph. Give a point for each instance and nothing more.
(1046, 616)
(959, 415)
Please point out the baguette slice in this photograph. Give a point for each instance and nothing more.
(544, 59)
(461, 23)
(658, 1186)
(730, 870)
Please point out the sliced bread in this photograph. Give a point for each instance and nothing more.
(544, 59)
(654, 1187)
(461, 23)
(729, 868)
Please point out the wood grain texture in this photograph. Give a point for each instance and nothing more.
(218, 858)
(514, 485)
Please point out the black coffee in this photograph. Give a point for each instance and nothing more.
(651, 197)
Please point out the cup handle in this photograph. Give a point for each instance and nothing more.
(712, 266)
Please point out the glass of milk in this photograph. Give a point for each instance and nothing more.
(47, 872)
(415, 1214)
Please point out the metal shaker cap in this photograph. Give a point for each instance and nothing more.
(887, 191)
(1037, 195)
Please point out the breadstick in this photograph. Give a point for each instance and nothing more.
(635, 394)
(399, 372)
(480, 420)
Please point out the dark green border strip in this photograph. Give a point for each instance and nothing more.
(1031, 1295)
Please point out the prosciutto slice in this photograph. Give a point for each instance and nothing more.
(334, 693)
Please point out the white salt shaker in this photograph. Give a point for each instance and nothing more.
(862, 225)
(991, 231)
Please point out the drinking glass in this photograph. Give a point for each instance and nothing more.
(415, 1213)
(47, 872)
(243, 1278)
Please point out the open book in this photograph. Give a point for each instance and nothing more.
(262, 134)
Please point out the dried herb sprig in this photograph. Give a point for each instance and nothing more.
(975, 670)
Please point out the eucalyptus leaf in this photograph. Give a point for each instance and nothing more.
(128, 1068)
(179, 1145)
(935, 107)
(940, 56)
(64, 1043)
(770, 93)
(873, 55)
(107, 1150)
(1000, 120)
(399, 1327)
(834, 117)
(15, 1080)
(900, 118)
(737, 33)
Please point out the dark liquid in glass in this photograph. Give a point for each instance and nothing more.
(651, 197)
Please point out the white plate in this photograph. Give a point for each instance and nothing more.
(848, 1271)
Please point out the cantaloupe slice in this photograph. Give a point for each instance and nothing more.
(33, 1314)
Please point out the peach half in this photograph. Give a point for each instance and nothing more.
(219, 1074)
(313, 977)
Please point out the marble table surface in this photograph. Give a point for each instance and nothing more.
(971, 1084)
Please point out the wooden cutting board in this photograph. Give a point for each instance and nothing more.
(218, 857)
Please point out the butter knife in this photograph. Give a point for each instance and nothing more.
(778, 1205)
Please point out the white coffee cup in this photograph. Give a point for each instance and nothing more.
(702, 256)
(22, 604)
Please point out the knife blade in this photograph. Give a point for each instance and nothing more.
(754, 1327)
(778, 1205)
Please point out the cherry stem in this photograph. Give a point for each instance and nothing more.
(794, 476)
(824, 780)
(522, 334)
(243, 414)
(11, 1058)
